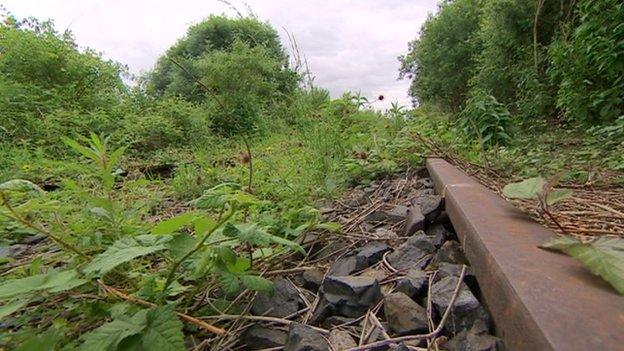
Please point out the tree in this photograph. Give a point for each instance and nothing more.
(43, 71)
(236, 68)
(216, 34)
(442, 60)
(588, 62)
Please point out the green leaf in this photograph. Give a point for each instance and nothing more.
(203, 225)
(53, 281)
(163, 331)
(229, 282)
(333, 227)
(109, 335)
(180, 245)
(121, 251)
(173, 224)
(604, 257)
(256, 235)
(23, 186)
(114, 158)
(239, 265)
(43, 341)
(84, 151)
(153, 329)
(215, 198)
(254, 282)
(226, 254)
(526, 189)
(557, 195)
(262, 253)
(12, 307)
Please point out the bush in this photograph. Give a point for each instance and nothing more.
(217, 33)
(241, 64)
(168, 122)
(589, 62)
(487, 120)
(442, 60)
(245, 82)
(42, 72)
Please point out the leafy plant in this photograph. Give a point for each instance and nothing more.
(603, 256)
(185, 248)
(398, 116)
(446, 42)
(541, 189)
(486, 120)
(156, 328)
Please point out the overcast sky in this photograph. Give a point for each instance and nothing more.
(350, 45)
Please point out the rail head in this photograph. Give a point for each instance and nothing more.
(539, 300)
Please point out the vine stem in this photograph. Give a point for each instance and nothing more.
(174, 268)
(14, 215)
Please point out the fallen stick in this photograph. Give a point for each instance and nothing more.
(198, 322)
(265, 319)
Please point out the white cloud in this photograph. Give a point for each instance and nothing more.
(349, 44)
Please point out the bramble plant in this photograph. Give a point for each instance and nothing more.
(182, 249)
(603, 256)
(542, 190)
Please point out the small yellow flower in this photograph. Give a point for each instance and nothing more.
(269, 149)
(25, 167)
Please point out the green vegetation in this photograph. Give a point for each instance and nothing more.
(198, 179)
(205, 173)
(528, 77)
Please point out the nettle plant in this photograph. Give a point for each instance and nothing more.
(161, 266)
(603, 256)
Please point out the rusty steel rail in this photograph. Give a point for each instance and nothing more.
(539, 300)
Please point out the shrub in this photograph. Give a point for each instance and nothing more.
(442, 60)
(163, 123)
(44, 71)
(241, 64)
(487, 120)
(217, 33)
(589, 62)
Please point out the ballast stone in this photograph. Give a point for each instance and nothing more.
(414, 284)
(404, 316)
(284, 302)
(475, 339)
(466, 311)
(341, 340)
(430, 205)
(414, 222)
(303, 338)
(258, 337)
(412, 253)
(350, 296)
(313, 278)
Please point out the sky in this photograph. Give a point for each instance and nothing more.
(350, 45)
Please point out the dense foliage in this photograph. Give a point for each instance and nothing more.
(442, 60)
(541, 58)
(132, 202)
(48, 87)
(243, 68)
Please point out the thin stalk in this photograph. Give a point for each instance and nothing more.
(57, 240)
(250, 163)
(547, 212)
